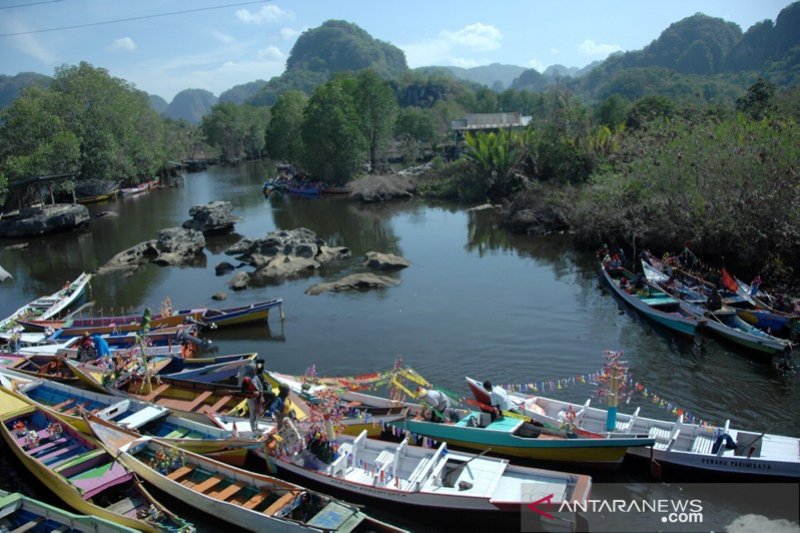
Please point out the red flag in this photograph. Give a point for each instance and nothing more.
(729, 282)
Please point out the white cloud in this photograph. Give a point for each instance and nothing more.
(222, 37)
(28, 44)
(267, 14)
(477, 36)
(271, 53)
(290, 33)
(536, 64)
(442, 49)
(591, 48)
(124, 44)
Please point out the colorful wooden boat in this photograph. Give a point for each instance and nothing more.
(244, 314)
(423, 477)
(53, 367)
(651, 303)
(111, 193)
(110, 324)
(79, 470)
(22, 513)
(69, 404)
(104, 378)
(244, 499)
(756, 455)
(44, 308)
(518, 438)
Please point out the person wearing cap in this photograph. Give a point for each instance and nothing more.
(437, 400)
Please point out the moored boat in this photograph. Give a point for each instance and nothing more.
(417, 476)
(516, 437)
(654, 304)
(244, 314)
(242, 498)
(677, 443)
(79, 470)
(23, 513)
(136, 189)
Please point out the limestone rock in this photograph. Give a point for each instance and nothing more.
(174, 246)
(381, 261)
(239, 281)
(363, 281)
(219, 296)
(223, 268)
(45, 219)
(215, 217)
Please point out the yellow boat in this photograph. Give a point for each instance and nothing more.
(79, 470)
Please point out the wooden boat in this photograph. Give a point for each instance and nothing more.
(232, 316)
(422, 477)
(4, 275)
(70, 403)
(154, 183)
(137, 189)
(79, 470)
(102, 378)
(22, 513)
(652, 303)
(756, 455)
(109, 194)
(110, 324)
(244, 499)
(518, 438)
(45, 307)
(727, 325)
(53, 367)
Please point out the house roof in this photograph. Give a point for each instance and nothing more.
(485, 121)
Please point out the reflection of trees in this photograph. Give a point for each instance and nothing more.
(341, 222)
(485, 236)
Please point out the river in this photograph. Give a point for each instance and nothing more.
(475, 300)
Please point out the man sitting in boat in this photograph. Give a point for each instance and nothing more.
(438, 402)
(499, 399)
(278, 407)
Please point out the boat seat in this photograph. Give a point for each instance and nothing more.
(208, 484)
(659, 433)
(253, 502)
(182, 471)
(625, 427)
(228, 491)
(62, 405)
(703, 444)
(29, 525)
(47, 446)
(123, 506)
(52, 456)
(385, 458)
(213, 409)
(176, 433)
(159, 390)
(280, 503)
(72, 461)
(141, 417)
(198, 400)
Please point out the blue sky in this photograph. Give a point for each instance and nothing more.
(215, 49)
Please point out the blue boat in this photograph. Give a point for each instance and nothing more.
(652, 303)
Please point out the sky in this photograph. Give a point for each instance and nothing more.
(166, 46)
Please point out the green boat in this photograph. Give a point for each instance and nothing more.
(517, 437)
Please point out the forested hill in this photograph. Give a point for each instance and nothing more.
(190, 105)
(697, 54)
(336, 46)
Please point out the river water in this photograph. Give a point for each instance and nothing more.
(475, 301)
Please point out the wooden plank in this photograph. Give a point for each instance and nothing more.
(197, 401)
(152, 396)
(208, 484)
(62, 405)
(122, 506)
(29, 525)
(279, 504)
(253, 502)
(228, 491)
(217, 406)
(182, 471)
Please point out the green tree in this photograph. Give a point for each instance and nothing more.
(613, 111)
(758, 101)
(283, 139)
(237, 130)
(335, 145)
(377, 106)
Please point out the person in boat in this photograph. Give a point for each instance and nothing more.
(252, 388)
(640, 283)
(714, 302)
(499, 399)
(86, 348)
(438, 402)
(279, 406)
